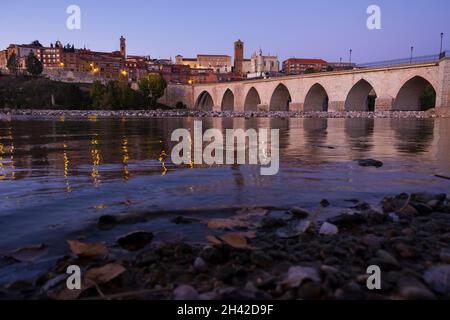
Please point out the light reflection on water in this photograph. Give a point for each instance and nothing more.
(59, 175)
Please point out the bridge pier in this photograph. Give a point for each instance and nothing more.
(336, 106)
(296, 106)
(263, 107)
(443, 97)
(384, 104)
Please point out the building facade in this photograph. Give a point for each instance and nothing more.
(296, 66)
(239, 57)
(219, 63)
(261, 65)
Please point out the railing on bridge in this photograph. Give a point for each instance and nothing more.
(406, 61)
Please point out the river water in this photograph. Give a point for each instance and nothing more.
(57, 176)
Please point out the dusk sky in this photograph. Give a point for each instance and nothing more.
(289, 28)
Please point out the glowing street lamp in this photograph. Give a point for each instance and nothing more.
(190, 82)
(61, 64)
(124, 73)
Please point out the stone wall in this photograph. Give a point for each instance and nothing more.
(177, 92)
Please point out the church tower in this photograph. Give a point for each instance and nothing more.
(123, 47)
(239, 57)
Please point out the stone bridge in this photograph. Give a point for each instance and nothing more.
(397, 88)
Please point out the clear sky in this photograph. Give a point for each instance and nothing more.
(290, 28)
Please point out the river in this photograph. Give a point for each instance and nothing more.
(57, 176)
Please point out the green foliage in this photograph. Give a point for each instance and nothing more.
(152, 88)
(13, 64)
(30, 92)
(96, 93)
(34, 66)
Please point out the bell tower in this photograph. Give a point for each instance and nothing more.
(239, 57)
(123, 47)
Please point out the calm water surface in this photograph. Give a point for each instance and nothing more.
(58, 176)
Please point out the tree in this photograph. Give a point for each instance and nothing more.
(153, 88)
(111, 99)
(34, 66)
(13, 64)
(36, 43)
(96, 94)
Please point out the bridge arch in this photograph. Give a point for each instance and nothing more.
(316, 99)
(361, 97)
(416, 94)
(228, 101)
(252, 100)
(204, 101)
(281, 99)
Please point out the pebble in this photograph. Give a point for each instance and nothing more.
(370, 163)
(328, 229)
(300, 213)
(444, 255)
(438, 278)
(212, 114)
(200, 265)
(185, 292)
(135, 241)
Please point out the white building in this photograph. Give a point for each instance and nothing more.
(261, 65)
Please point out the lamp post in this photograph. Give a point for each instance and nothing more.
(412, 52)
(351, 51)
(442, 39)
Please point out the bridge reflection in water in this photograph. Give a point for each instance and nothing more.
(113, 149)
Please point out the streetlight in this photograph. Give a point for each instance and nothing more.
(412, 52)
(442, 38)
(351, 56)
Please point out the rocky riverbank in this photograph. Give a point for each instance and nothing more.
(31, 113)
(266, 253)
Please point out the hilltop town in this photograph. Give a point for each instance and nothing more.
(66, 63)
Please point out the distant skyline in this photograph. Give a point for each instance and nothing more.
(289, 28)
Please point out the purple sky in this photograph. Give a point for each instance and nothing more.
(289, 28)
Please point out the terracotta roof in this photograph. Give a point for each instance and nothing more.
(306, 61)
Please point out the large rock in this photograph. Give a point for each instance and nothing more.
(438, 278)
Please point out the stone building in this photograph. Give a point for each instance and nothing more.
(296, 66)
(219, 63)
(260, 65)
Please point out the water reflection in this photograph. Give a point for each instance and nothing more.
(141, 147)
(360, 133)
(413, 137)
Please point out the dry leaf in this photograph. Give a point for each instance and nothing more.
(88, 250)
(29, 254)
(226, 224)
(92, 277)
(235, 240)
(101, 206)
(104, 274)
(251, 212)
(213, 240)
